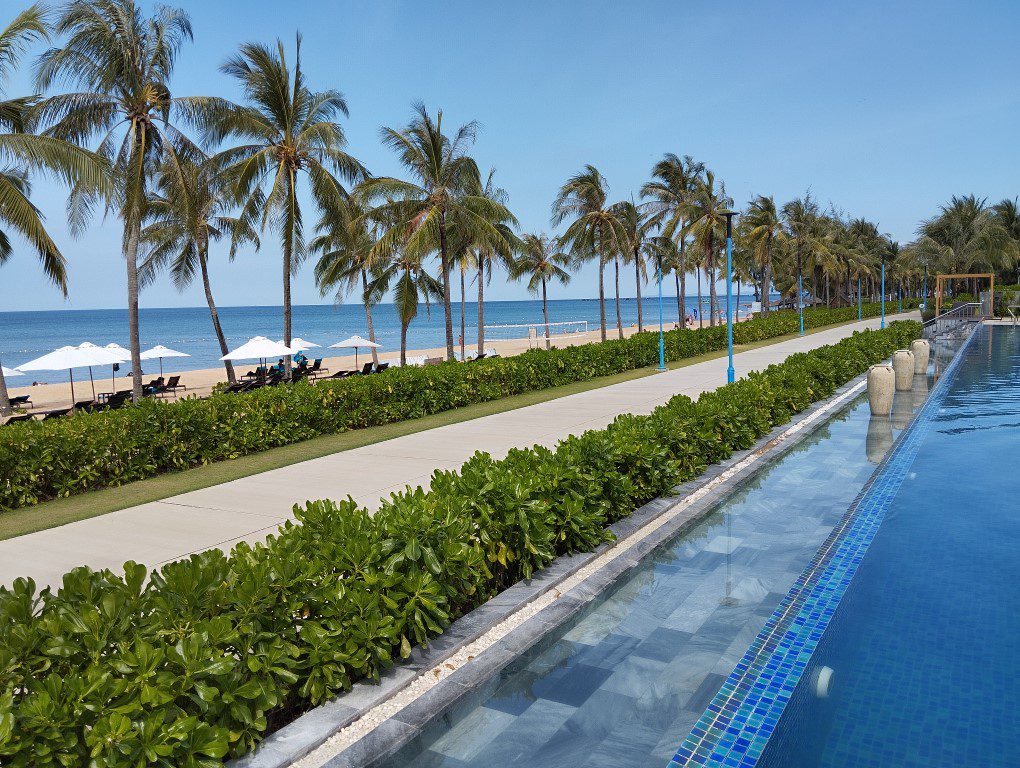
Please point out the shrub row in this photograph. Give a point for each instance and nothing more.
(196, 661)
(44, 460)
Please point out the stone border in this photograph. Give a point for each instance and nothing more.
(372, 721)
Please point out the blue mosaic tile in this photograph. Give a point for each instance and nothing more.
(737, 724)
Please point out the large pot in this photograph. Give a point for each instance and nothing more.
(881, 383)
(922, 351)
(903, 366)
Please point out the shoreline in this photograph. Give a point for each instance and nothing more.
(200, 382)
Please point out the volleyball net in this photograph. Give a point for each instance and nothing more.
(535, 332)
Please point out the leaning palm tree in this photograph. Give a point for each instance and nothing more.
(671, 193)
(444, 178)
(188, 214)
(402, 272)
(346, 261)
(594, 231)
(291, 133)
(765, 234)
(121, 62)
(21, 152)
(541, 262)
(707, 226)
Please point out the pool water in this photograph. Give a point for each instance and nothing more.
(924, 645)
(624, 682)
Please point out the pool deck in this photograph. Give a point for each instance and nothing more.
(251, 508)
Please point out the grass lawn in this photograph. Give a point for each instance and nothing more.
(50, 514)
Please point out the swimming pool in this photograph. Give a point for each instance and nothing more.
(899, 645)
(625, 681)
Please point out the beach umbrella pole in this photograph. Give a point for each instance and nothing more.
(93, 381)
(70, 372)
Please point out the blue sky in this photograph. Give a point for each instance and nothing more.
(885, 109)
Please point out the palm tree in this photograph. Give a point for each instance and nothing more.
(121, 62)
(486, 254)
(292, 132)
(347, 259)
(444, 177)
(21, 152)
(1007, 213)
(806, 235)
(674, 181)
(594, 231)
(636, 227)
(541, 262)
(765, 233)
(707, 224)
(402, 271)
(188, 215)
(666, 254)
(965, 236)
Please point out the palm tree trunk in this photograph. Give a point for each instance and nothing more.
(288, 245)
(447, 304)
(602, 296)
(368, 314)
(619, 319)
(766, 284)
(215, 317)
(5, 399)
(683, 284)
(713, 298)
(481, 305)
(131, 257)
(679, 298)
(403, 342)
(545, 314)
(701, 314)
(462, 355)
(637, 284)
(736, 309)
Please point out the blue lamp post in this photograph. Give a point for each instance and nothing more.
(662, 345)
(858, 298)
(730, 374)
(800, 296)
(882, 299)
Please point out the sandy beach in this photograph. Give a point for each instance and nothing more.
(200, 383)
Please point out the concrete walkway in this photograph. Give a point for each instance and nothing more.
(251, 508)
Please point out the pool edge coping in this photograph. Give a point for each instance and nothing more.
(549, 594)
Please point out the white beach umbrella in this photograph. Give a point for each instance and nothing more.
(125, 355)
(300, 345)
(159, 351)
(83, 356)
(259, 348)
(355, 342)
(8, 372)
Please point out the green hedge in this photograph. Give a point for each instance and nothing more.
(44, 460)
(196, 661)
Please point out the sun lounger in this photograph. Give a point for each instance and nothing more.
(21, 400)
(55, 413)
(19, 417)
(381, 367)
(173, 384)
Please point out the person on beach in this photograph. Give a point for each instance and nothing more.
(300, 360)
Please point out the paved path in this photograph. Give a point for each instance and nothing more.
(252, 507)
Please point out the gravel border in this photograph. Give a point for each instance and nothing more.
(372, 721)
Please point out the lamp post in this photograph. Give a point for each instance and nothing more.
(800, 296)
(882, 300)
(924, 289)
(858, 298)
(730, 373)
(662, 345)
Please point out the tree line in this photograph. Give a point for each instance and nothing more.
(182, 172)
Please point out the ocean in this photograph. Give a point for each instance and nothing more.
(25, 336)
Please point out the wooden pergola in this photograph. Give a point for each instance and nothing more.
(940, 280)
